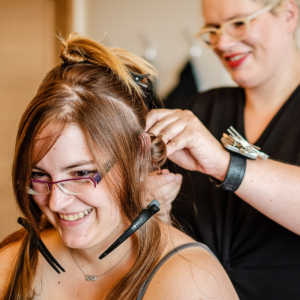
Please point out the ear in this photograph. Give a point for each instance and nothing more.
(291, 15)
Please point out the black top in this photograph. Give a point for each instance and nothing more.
(261, 257)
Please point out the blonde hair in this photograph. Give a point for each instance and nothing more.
(94, 89)
(266, 2)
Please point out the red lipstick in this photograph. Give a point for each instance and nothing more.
(235, 60)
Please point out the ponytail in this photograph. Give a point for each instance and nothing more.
(77, 49)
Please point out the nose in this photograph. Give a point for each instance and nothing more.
(58, 199)
(225, 42)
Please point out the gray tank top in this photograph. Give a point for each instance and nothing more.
(163, 260)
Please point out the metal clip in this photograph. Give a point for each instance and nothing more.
(236, 143)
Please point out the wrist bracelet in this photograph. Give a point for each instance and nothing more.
(235, 173)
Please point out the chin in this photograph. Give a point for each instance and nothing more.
(75, 237)
(76, 241)
(243, 78)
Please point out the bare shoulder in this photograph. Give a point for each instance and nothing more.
(193, 274)
(8, 256)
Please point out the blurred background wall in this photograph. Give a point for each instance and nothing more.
(160, 30)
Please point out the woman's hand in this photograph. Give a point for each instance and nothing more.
(269, 186)
(189, 143)
(164, 188)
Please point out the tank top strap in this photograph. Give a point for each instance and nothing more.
(163, 260)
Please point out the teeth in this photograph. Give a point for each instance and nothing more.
(76, 216)
(237, 57)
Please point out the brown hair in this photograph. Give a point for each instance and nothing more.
(92, 88)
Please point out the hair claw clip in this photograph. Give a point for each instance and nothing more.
(138, 79)
(41, 246)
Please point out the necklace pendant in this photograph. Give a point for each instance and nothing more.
(90, 278)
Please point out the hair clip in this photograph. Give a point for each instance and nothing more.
(138, 79)
(144, 216)
(41, 246)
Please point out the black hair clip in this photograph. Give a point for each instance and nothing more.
(143, 217)
(41, 246)
(150, 97)
(138, 79)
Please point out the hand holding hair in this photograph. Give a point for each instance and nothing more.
(164, 188)
(189, 143)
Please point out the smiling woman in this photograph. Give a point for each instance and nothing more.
(80, 176)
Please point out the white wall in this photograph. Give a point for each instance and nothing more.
(165, 25)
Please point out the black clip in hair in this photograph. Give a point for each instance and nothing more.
(41, 246)
(144, 216)
(149, 97)
(138, 79)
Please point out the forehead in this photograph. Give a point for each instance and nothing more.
(218, 11)
(70, 147)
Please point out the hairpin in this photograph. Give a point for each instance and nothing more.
(138, 79)
(41, 246)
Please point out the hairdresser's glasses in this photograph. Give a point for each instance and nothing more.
(76, 186)
(237, 29)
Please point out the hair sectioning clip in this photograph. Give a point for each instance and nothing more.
(150, 97)
(41, 246)
(138, 79)
(146, 214)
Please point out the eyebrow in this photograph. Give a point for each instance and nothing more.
(78, 164)
(75, 165)
(40, 169)
(238, 16)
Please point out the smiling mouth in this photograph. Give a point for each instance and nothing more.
(236, 57)
(75, 217)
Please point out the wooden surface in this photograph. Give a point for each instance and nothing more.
(26, 53)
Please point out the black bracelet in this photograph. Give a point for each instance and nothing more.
(235, 173)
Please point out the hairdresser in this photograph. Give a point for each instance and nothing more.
(249, 212)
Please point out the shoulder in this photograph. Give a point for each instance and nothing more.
(194, 274)
(8, 256)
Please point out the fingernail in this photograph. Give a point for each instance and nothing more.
(170, 177)
(178, 178)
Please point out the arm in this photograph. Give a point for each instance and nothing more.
(269, 186)
(193, 274)
(273, 188)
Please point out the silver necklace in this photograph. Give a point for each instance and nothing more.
(94, 277)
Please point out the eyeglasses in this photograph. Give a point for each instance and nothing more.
(76, 186)
(237, 29)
